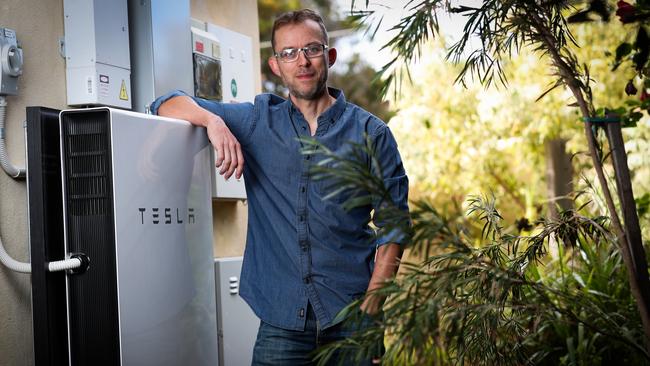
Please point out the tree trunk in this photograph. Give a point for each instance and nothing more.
(639, 280)
(638, 268)
(559, 183)
(559, 177)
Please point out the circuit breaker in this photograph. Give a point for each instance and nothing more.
(11, 60)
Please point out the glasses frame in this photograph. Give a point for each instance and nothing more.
(304, 51)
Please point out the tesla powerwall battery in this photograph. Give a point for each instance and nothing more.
(136, 197)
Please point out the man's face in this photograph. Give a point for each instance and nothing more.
(306, 78)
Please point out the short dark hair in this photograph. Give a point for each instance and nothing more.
(296, 17)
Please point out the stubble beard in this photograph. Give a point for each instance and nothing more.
(312, 94)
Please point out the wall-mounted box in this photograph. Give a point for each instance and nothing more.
(11, 62)
(98, 66)
(161, 49)
(237, 64)
(238, 85)
(236, 322)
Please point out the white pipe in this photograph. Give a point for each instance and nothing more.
(63, 265)
(9, 168)
(13, 264)
(5, 258)
(24, 267)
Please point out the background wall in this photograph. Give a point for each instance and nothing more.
(38, 25)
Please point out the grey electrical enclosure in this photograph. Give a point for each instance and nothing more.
(11, 62)
(161, 49)
(237, 323)
(98, 66)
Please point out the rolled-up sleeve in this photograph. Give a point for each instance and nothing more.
(392, 227)
(238, 116)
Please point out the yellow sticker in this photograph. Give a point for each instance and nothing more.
(123, 94)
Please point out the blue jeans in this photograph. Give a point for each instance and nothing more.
(280, 347)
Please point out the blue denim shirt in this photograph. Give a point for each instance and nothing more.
(302, 248)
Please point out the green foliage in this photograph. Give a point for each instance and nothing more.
(457, 141)
(487, 295)
(357, 80)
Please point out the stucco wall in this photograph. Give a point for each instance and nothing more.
(38, 25)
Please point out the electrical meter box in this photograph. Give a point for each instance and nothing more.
(98, 67)
(223, 63)
(11, 62)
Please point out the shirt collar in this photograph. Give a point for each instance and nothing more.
(333, 113)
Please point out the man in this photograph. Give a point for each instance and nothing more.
(306, 257)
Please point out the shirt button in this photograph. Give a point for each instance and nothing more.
(307, 157)
(302, 189)
(306, 280)
(302, 218)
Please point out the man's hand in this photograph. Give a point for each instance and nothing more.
(228, 150)
(372, 304)
(386, 265)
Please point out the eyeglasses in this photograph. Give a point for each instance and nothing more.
(291, 54)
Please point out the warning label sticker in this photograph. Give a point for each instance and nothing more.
(123, 93)
(103, 86)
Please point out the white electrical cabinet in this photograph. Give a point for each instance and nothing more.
(238, 85)
(236, 60)
(98, 67)
(236, 323)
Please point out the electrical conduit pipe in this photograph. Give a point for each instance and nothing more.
(14, 172)
(9, 168)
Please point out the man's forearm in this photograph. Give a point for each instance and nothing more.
(185, 108)
(386, 266)
(229, 156)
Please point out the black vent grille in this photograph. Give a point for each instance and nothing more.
(92, 295)
(87, 155)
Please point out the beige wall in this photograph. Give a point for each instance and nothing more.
(38, 25)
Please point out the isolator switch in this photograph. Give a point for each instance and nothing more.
(233, 285)
(11, 62)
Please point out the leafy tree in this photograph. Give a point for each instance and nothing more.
(357, 79)
(503, 28)
(491, 298)
(455, 140)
